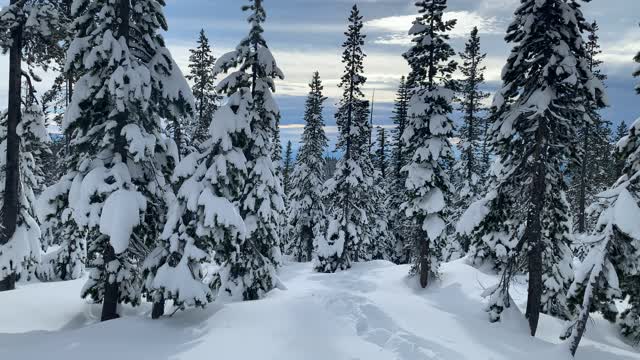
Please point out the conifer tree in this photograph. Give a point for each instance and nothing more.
(381, 158)
(590, 173)
(621, 131)
(427, 134)
(398, 224)
(348, 192)
(307, 210)
(537, 113)
(201, 62)
(118, 163)
(609, 271)
(26, 29)
(471, 167)
(249, 261)
(287, 169)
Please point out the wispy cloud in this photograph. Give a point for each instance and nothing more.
(397, 27)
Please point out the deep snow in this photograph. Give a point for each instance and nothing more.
(371, 312)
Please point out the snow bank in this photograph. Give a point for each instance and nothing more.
(373, 311)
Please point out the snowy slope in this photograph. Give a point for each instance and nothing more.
(370, 312)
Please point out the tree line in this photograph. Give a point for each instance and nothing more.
(158, 177)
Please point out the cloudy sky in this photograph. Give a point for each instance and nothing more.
(305, 35)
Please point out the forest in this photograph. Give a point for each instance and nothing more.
(169, 195)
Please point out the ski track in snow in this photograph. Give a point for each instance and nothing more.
(373, 312)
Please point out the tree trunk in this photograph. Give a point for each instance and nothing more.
(308, 241)
(583, 184)
(158, 308)
(177, 136)
(425, 261)
(10, 207)
(111, 290)
(533, 233)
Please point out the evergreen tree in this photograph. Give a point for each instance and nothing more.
(398, 224)
(609, 271)
(287, 169)
(589, 175)
(201, 62)
(348, 192)
(621, 132)
(118, 162)
(307, 211)
(249, 261)
(471, 167)
(427, 134)
(381, 158)
(383, 244)
(523, 220)
(26, 33)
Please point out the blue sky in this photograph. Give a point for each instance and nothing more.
(305, 35)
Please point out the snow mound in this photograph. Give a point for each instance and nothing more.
(372, 311)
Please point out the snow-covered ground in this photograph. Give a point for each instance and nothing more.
(370, 312)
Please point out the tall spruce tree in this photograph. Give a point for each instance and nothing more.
(427, 134)
(589, 175)
(307, 211)
(119, 161)
(381, 154)
(610, 270)
(621, 131)
(472, 165)
(348, 192)
(287, 169)
(201, 62)
(398, 224)
(537, 113)
(26, 33)
(249, 261)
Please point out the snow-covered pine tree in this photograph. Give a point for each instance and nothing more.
(471, 167)
(381, 154)
(398, 224)
(348, 192)
(610, 270)
(287, 169)
(249, 267)
(427, 133)
(119, 160)
(34, 140)
(621, 131)
(537, 112)
(201, 62)
(67, 262)
(57, 98)
(589, 175)
(383, 243)
(307, 211)
(26, 32)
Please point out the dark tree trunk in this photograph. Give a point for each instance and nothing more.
(177, 136)
(158, 309)
(111, 290)
(307, 239)
(533, 232)
(10, 207)
(581, 326)
(582, 195)
(425, 261)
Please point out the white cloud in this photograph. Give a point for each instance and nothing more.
(620, 53)
(397, 27)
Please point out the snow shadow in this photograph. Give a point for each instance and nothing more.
(124, 338)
